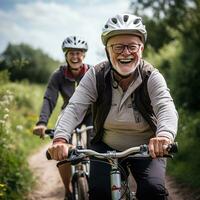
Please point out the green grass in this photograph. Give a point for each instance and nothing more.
(185, 165)
(20, 105)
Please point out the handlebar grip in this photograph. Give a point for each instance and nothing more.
(70, 157)
(50, 133)
(48, 156)
(73, 157)
(172, 148)
(71, 151)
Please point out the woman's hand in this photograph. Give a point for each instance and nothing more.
(39, 130)
(158, 145)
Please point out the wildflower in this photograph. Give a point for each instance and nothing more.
(6, 110)
(2, 185)
(19, 127)
(2, 122)
(5, 117)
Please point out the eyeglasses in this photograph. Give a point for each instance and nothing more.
(119, 48)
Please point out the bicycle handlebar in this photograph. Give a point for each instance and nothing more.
(50, 132)
(142, 149)
(77, 155)
(81, 130)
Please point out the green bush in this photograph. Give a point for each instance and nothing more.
(17, 117)
(14, 173)
(19, 112)
(24, 62)
(4, 76)
(185, 166)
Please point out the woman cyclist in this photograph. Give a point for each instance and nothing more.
(132, 106)
(64, 82)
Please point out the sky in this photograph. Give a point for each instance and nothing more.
(45, 24)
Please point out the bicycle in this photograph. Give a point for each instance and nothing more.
(79, 168)
(119, 189)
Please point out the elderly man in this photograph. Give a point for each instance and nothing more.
(132, 106)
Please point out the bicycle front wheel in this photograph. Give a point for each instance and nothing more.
(80, 187)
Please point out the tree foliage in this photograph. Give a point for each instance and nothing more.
(179, 20)
(174, 47)
(24, 62)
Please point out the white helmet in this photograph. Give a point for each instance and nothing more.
(74, 42)
(124, 24)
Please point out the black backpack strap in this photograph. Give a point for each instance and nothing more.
(142, 99)
(100, 79)
(103, 103)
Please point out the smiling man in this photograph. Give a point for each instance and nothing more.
(125, 53)
(132, 106)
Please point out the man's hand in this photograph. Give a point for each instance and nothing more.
(59, 150)
(39, 130)
(158, 145)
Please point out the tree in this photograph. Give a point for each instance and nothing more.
(24, 62)
(180, 20)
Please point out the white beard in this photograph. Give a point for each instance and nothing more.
(117, 68)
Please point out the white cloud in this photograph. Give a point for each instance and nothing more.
(46, 25)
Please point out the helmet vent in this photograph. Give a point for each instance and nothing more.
(123, 24)
(69, 41)
(114, 20)
(136, 21)
(126, 18)
(74, 42)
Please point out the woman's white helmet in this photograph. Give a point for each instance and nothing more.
(74, 42)
(124, 24)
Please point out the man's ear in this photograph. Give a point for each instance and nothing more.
(107, 54)
(142, 47)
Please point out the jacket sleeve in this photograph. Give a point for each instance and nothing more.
(50, 99)
(163, 106)
(84, 95)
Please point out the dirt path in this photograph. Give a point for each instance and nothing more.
(49, 185)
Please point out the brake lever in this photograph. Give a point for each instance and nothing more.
(73, 157)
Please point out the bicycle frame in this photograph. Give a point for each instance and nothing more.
(78, 155)
(116, 183)
(83, 166)
(80, 170)
(116, 187)
(115, 174)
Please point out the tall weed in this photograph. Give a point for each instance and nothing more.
(20, 105)
(18, 110)
(14, 173)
